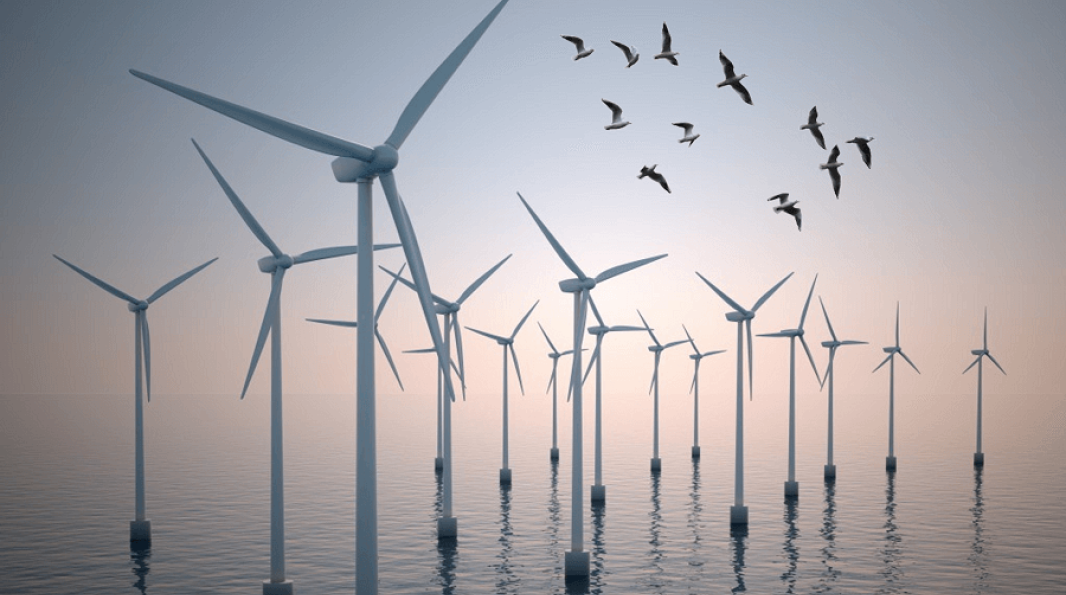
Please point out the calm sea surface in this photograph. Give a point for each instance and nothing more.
(935, 526)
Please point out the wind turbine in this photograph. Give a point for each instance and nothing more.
(830, 467)
(738, 513)
(276, 264)
(792, 486)
(553, 385)
(657, 349)
(599, 491)
(696, 357)
(890, 461)
(576, 561)
(361, 164)
(141, 526)
(508, 345)
(978, 456)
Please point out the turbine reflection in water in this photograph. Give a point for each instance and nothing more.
(830, 574)
(979, 558)
(791, 549)
(506, 580)
(447, 560)
(139, 557)
(892, 552)
(738, 541)
(657, 575)
(599, 550)
(694, 523)
(554, 517)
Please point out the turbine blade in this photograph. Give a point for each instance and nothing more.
(625, 327)
(178, 281)
(517, 370)
(997, 363)
(146, 347)
(728, 300)
(654, 375)
(436, 81)
(293, 133)
(984, 342)
(334, 252)
(828, 369)
(569, 262)
(425, 350)
(579, 337)
(411, 286)
(388, 356)
(779, 334)
(767, 295)
(827, 323)
(592, 361)
(551, 380)
(751, 365)
(264, 329)
(909, 361)
(811, 358)
(715, 352)
(897, 324)
(523, 321)
(596, 311)
(808, 303)
(648, 328)
(883, 362)
(550, 344)
(854, 343)
(675, 343)
(344, 323)
(692, 387)
(691, 342)
(489, 335)
(101, 284)
(473, 286)
(972, 365)
(388, 292)
(242, 210)
(459, 350)
(624, 268)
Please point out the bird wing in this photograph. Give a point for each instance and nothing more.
(577, 41)
(616, 112)
(781, 197)
(865, 150)
(727, 66)
(743, 92)
(686, 126)
(834, 154)
(813, 117)
(666, 39)
(625, 49)
(818, 137)
(833, 173)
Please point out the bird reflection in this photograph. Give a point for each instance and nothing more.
(979, 558)
(892, 552)
(694, 523)
(447, 560)
(139, 557)
(506, 581)
(657, 576)
(830, 574)
(738, 541)
(791, 550)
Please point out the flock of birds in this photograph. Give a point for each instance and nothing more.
(731, 80)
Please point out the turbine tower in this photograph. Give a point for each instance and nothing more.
(792, 486)
(508, 345)
(140, 526)
(276, 264)
(553, 385)
(696, 357)
(830, 467)
(978, 455)
(361, 164)
(738, 513)
(657, 349)
(576, 560)
(890, 461)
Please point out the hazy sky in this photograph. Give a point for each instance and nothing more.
(962, 209)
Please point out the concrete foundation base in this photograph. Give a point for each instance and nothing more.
(792, 489)
(447, 527)
(438, 464)
(890, 463)
(656, 465)
(978, 459)
(554, 454)
(599, 494)
(830, 473)
(281, 588)
(695, 452)
(505, 477)
(576, 565)
(141, 531)
(738, 515)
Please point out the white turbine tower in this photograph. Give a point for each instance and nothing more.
(361, 164)
(978, 455)
(738, 513)
(657, 349)
(890, 461)
(140, 526)
(830, 467)
(576, 560)
(599, 491)
(508, 345)
(696, 357)
(276, 264)
(792, 486)
(553, 385)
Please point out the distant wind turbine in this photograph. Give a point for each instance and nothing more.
(553, 386)
(792, 486)
(830, 466)
(141, 526)
(576, 561)
(890, 461)
(978, 455)
(738, 513)
(696, 357)
(657, 349)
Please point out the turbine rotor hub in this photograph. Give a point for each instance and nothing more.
(576, 285)
(269, 264)
(735, 316)
(138, 307)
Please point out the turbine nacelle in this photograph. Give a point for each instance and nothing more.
(599, 330)
(347, 169)
(831, 344)
(890, 349)
(576, 285)
(979, 352)
(268, 264)
(141, 305)
(739, 316)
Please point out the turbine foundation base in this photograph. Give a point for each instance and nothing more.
(695, 452)
(505, 478)
(656, 465)
(576, 565)
(447, 527)
(141, 532)
(738, 515)
(830, 473)
(554, 454)
(978, 459)
(438, 464)
(792, 489)
(599, 494)
(890, 463)
(278, 588)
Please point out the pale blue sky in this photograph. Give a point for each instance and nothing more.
(963, 206)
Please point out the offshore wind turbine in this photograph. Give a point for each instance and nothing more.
(361, 164)
(508, 345)
(890, 460)
(978, 455)
(830, 466)
(792, 486)
(657, 349)
(553, 385)
(141, 525)
(276, 264)
(738, 513)
(696, 357)
(599, 491)
(576, 560)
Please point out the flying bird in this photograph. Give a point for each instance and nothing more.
(788, 207)
(667, 53)
(832, 166)
(658, 177)
(581, 51)
(689, 137)
(631, 52)
(732, 79)
(616, 116)
(863, 142)
(813, 124)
